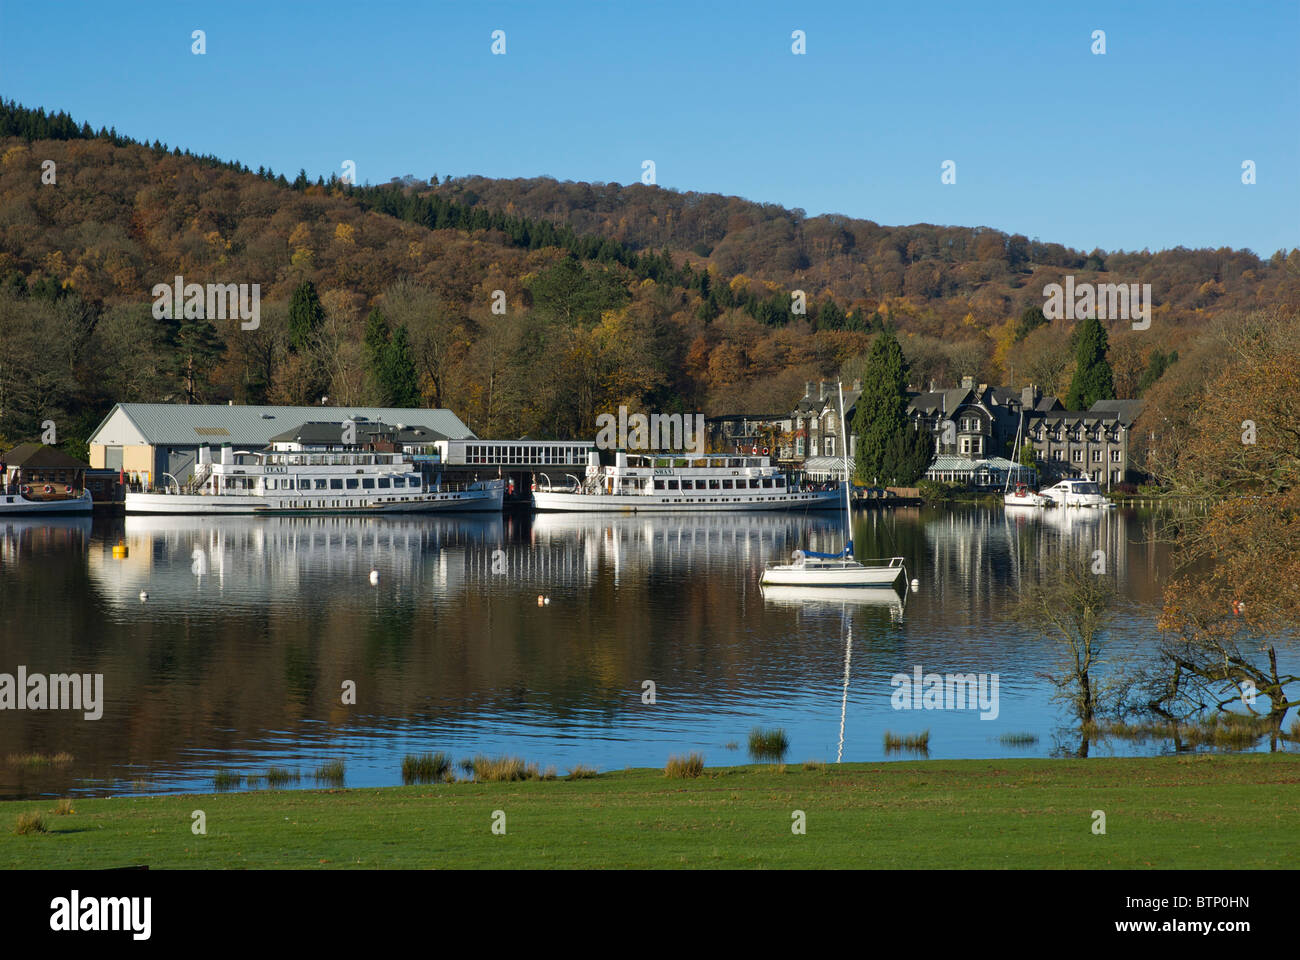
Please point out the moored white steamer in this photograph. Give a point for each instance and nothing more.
(668, 483)
(310, 482)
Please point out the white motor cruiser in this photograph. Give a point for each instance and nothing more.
(1076, 493)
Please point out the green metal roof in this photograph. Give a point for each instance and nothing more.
(170, 424)
(366, 430)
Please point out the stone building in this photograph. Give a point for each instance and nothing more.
(1091, 443)
(974, 428)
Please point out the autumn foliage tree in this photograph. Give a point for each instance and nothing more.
(1237, 595)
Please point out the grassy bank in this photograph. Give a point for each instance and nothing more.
(1172, 812)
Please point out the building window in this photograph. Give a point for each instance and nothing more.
(1077, 456)
(1117, 456)
(830, 446)
(1096, 456)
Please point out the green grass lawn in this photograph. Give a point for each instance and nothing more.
(1239, 811)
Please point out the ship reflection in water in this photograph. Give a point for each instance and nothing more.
(228, 642)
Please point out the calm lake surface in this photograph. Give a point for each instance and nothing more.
(239, 656)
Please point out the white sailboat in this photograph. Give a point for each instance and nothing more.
(809, 569)
(1022, 496)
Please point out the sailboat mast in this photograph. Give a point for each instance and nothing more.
(1015, 454)
(844, 437)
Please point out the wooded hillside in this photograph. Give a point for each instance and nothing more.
(636, 295)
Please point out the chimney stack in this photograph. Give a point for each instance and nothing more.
(821, 390)
(1029, 397)
(807, 389)
(857, 385)
(968, 383)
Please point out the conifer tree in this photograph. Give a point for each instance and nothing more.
(195, 348)
(1093, 379)
(400, 379)
(830, 316)
(890, 449)
(375, 348)
(305, 316)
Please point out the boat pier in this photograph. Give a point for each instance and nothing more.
(521, 463)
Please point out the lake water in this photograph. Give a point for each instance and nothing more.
(239, 657)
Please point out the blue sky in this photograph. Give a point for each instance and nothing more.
(1139, 148)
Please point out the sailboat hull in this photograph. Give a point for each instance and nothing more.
(800, 596)
(1025, 500)
(831, 575)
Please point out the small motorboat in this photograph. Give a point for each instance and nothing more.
(46, 500)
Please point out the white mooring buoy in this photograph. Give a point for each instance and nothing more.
(916, 585)
(143, 596)
(374, 577)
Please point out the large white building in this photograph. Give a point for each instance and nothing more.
(147, 440)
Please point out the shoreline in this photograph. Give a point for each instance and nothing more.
(1176, 812)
